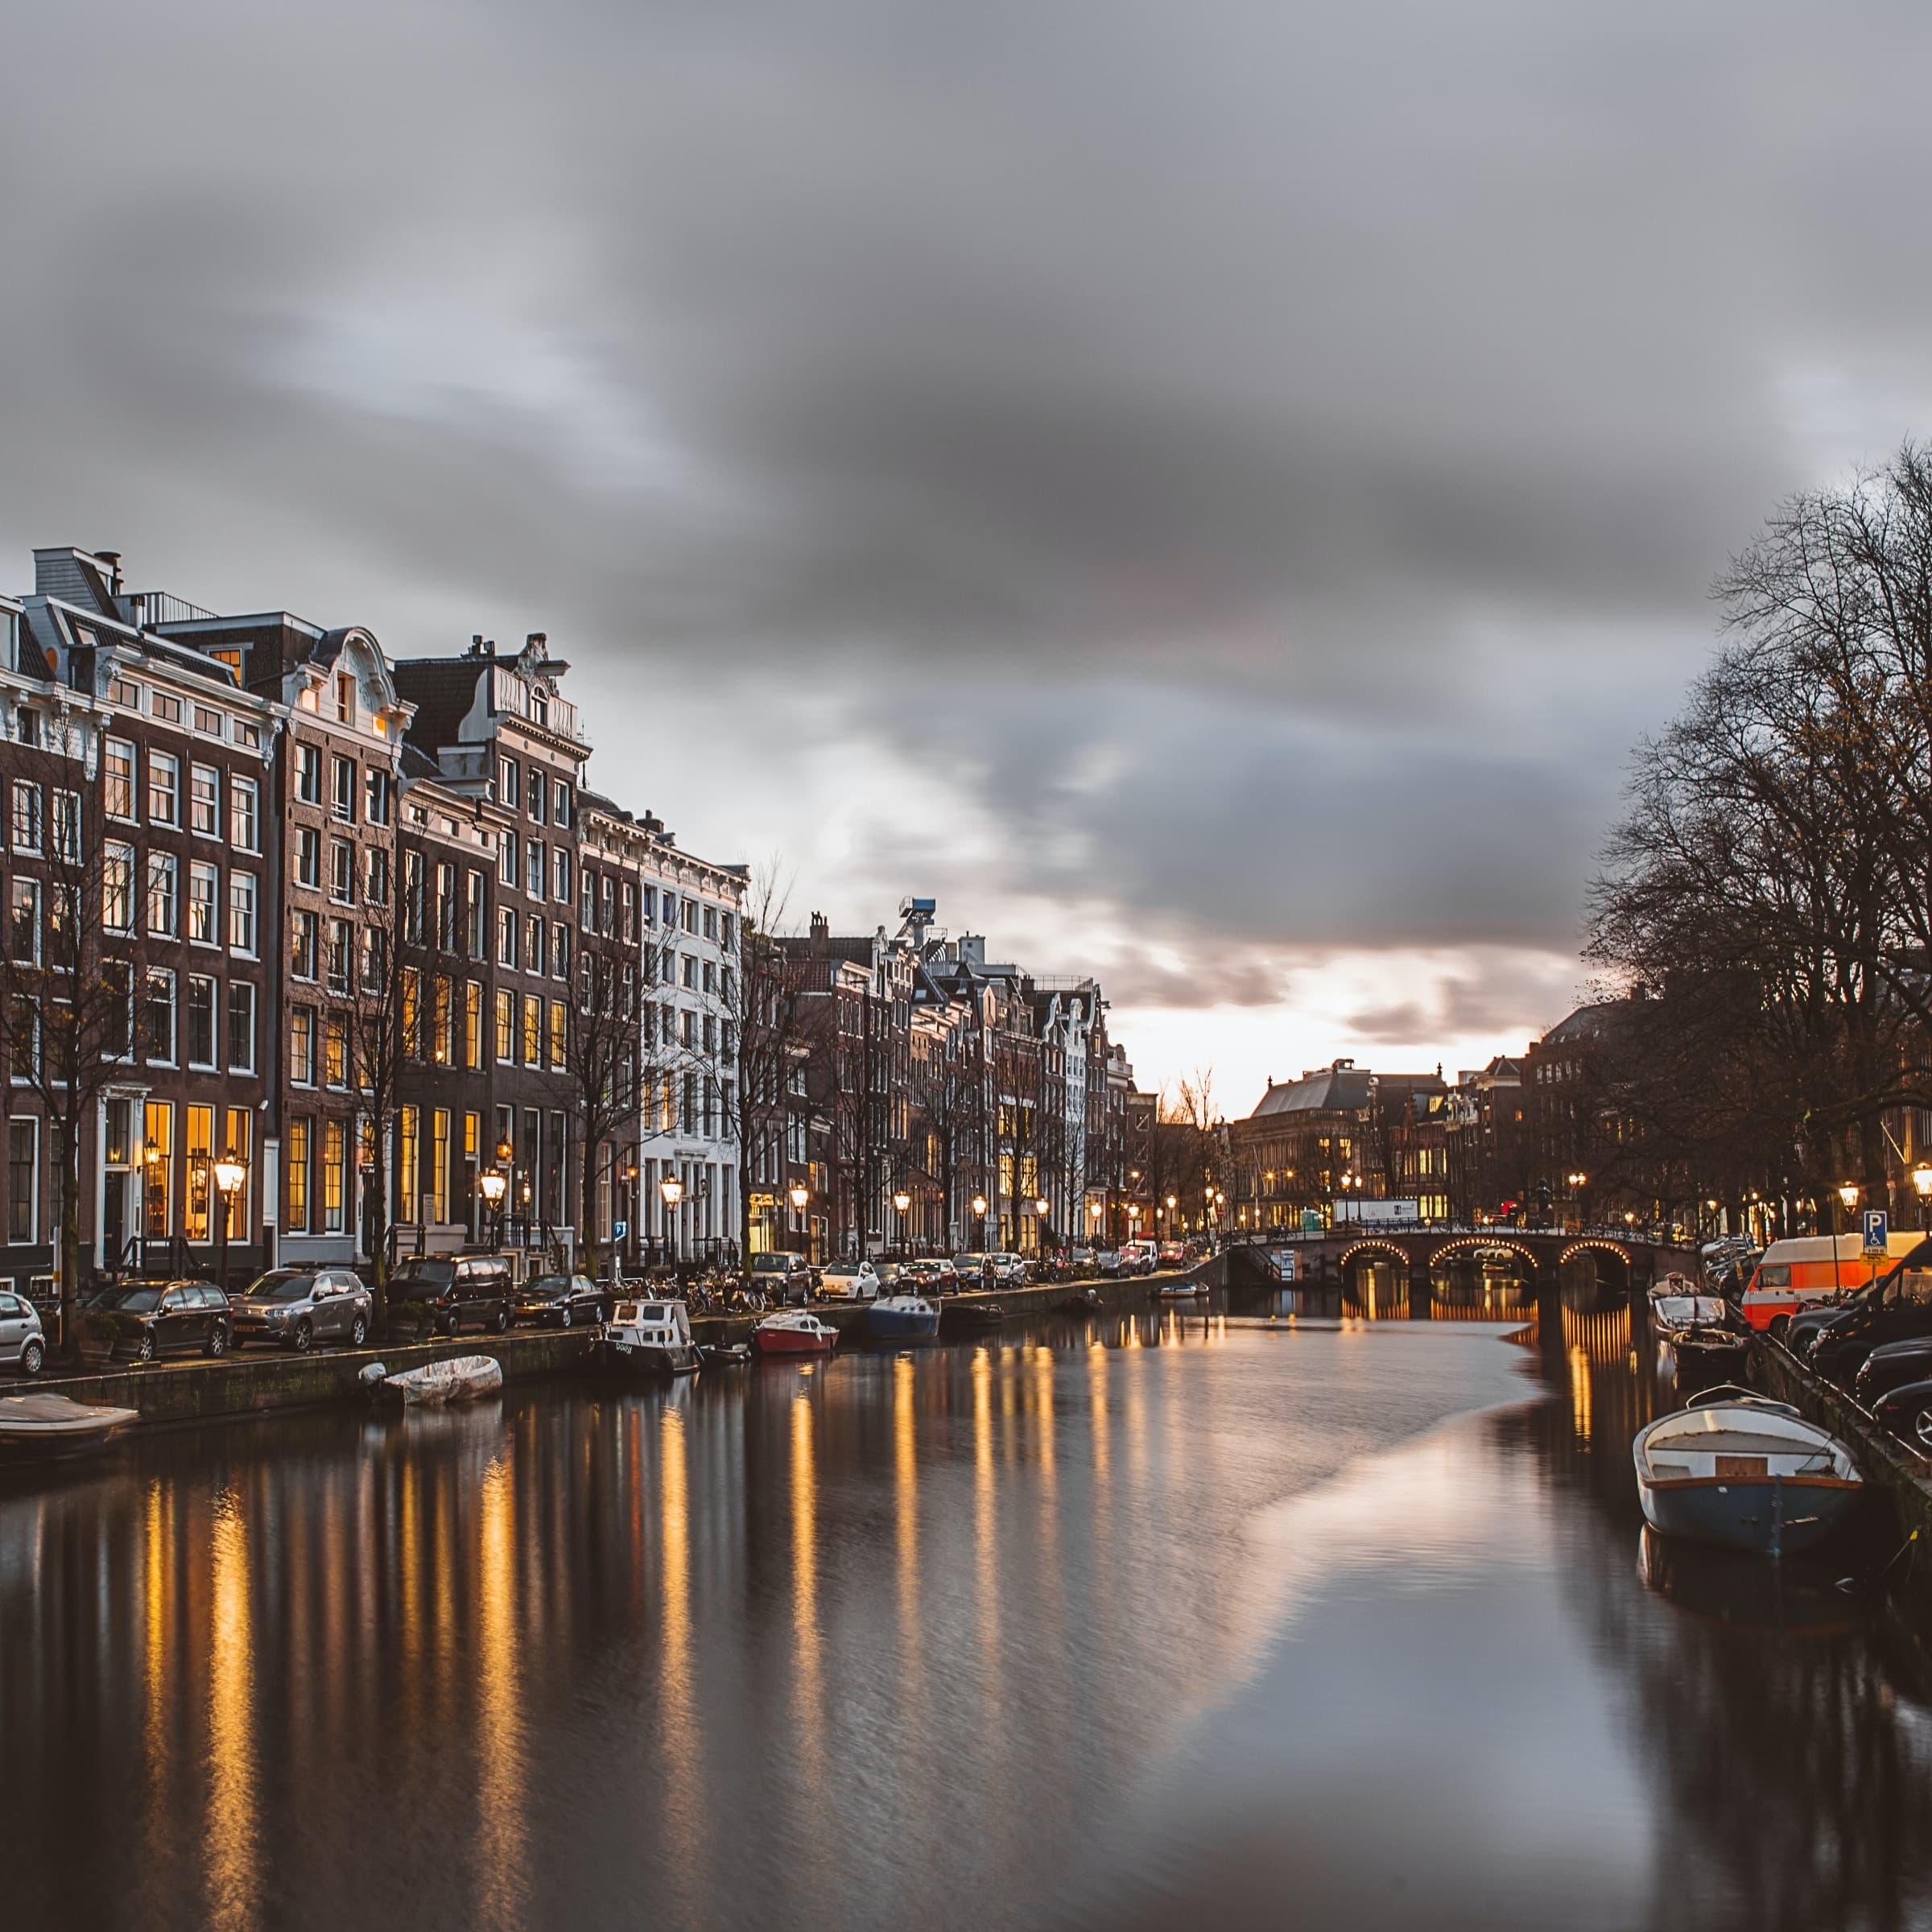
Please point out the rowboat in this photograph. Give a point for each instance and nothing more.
(902, 1318)
(794, 1332)
(43, 1425)
(648, 1339)
(1741, 1472)
(462, 1378)
(1184, 1290)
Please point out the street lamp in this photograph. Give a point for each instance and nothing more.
(979, 1211)
(1042, 1207)
(493, 1184)
(229, 1174)
(1922, 1184)
(1848, 1193)
(902, 1200)
(673, 1191)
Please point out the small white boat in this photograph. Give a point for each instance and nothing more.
(460, 1379)
(1178, 1291)
(1744, 1472)
(1672, 1314)
(650, 1338)
(44, 1424)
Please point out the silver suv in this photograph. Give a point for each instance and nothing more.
(297, 1307)
(21, 1341)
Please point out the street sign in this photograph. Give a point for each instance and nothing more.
(619, 1229)
(1875, 1230)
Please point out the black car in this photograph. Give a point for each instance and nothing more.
(1891, 1365)
(145, 1319)
(1896, 1307)
(443, 1294)
(561, 1301)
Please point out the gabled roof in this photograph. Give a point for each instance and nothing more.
(1337, 1089)
(443, 691)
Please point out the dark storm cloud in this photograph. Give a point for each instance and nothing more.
(1337, 411)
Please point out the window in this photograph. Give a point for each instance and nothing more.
(506, 782)
(118, 770)
(506, 936)
(242, 912)
(24, 923)
(301, 945)
(241, 1141)
(117, 888)
(207, 722)
(22, 1179)
(507, 1027)
(688, 1121)
(167, 709)
(345, 698)
(472, 1025)
(690, 915)
(122, 691)
(412, 898)
(560, 1033)
(244, 814)
(301, 1136)
(445, 1023)
(335, 1050)
(412, 1013)
(341, 871)
(308, 774)
(711, 977)
(163, 916)
(341, 955)
(446, 907)
(628, 898)
(711, 922)
(308, 855)
(533, 1030)
(506, 858)
(711, 1034)
(375, 878)
(559, 952)
(376, 797)
(26, 816)
(533, 871)
(439, 1163)
(241, 1026)
(204, 800)
(410, 1153)
(667, 966)
(163, 788)
(342, 801)
(160, 1014)
(117, 1024)
(730, 932)
(478, 925)
(302, 1046)
(687, 1029)
(335, 1154)
(204, 901)
(66, 826)
(245, 734)
(560, 889)
(650, 906)
(561, 814)
(539, 795)
(200, 1021)
(534, 932)
(375, 958)
(691, 970)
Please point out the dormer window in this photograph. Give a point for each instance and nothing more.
(308, 700)
(345, 698)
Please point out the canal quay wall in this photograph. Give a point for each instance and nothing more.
(259, 1381)
(1899, 1475)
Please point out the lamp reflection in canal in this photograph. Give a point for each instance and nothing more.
(985, 1524)
(808, 1663)
(233, 1874)
(501, 1850)
(684, 1806)
(906, 1505)
(158, 1538)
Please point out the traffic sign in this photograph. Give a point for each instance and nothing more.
(619, 1229)
(1875, 1230)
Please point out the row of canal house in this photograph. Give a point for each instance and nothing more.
(327, 877)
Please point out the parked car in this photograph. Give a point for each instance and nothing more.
(1009, 1270)
(1140, 1256)
(561, 1301)
(1079, 1257)
(144, 1319)
(854, 1281)
(1108, 1262)
(297, 1307)
(1172, 1254)
(1897, 1308)
(22, 1342)
(925, 1276)
(1891, 1365)
(446, 1293)
(785, 1277)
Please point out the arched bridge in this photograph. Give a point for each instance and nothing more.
(1417, 1254)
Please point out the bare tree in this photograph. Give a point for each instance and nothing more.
(603, 1056)
(71, 965)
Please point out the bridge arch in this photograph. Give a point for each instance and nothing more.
(1387, 1249)
(1474, 1244)
(1594, 1244)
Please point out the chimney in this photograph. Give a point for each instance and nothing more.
(821, 928)
(112, 560)
(538, 642)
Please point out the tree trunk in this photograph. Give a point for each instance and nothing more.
(67, 1139)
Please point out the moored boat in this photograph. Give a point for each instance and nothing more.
(44, 1425)
(902, 1318)
(1178, 1291)
(1741, 1472)
(649, 1339)
(794, 1332)
(724, 1355)
(975, 1318)
(1709, 1349)
(1088, 1302)
(461, 1378)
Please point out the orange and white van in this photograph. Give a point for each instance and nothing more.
(1814, 1268)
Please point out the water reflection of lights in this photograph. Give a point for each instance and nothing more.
(906, 1507)
(685, 1810)
(986, 1561)
(234, 1875)
(1579, 1393)
(1604, 1336)
(158, 1540)
(807, 1640)
(501, 1851)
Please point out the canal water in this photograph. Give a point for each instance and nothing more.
(1169, 1622)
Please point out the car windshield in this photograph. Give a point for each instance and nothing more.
(283, 1284)
(425, 1277)
(549, 1285)
(770, 1263)
(136, 1301)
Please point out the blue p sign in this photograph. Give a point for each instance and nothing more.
(1875, 1230)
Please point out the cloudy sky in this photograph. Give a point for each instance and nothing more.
(1209, 491)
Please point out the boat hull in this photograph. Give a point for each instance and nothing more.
(1771, 1515)
(901, 1324)
(792, 1341)
(648, 1362)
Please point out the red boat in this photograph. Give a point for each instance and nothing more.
(794, 1333)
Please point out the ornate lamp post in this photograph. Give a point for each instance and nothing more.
(979, 1214)
(230, 1176)
(506, 1163)
(631, 1205)
(1921, 1185)
(492, 1185)
(1041, 1207)
(1576, 1182)
(673, 1191)
(799, 1194)
(902, 1201)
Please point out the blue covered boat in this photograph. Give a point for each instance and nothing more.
(902, 1318)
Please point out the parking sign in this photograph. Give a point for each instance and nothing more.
(1875, 1230)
